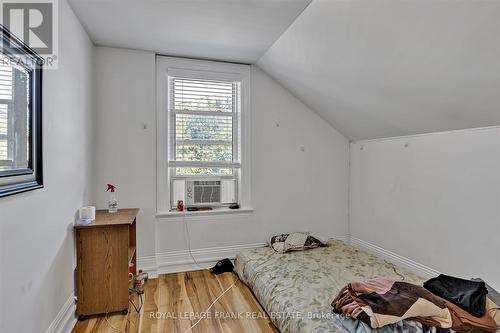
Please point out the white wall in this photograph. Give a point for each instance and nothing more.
(436, 201)
(291, 190)
(125, 150)
(36, 235)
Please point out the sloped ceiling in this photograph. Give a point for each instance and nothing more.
(380, 68)
(227, 30)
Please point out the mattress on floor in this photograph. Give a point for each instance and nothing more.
(296, 289)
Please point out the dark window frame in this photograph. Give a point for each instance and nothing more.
(30, 178)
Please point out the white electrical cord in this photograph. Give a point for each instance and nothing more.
(128, 319)
(208, 309)
(187, 238)
(111, 325)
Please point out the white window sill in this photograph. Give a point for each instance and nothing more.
(215, 211)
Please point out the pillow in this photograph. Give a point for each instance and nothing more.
(296, 241)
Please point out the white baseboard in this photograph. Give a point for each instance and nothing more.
(342, 238)
(414, 266)
(148, 264)
(181, 261)
(65, 319)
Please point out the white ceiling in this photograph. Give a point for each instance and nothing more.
(228, 30)
(380, 68)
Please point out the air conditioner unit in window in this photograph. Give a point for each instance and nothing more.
(203, 193)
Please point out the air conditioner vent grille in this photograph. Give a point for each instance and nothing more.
(205, 192)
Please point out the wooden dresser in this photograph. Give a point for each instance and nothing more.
(104, 250)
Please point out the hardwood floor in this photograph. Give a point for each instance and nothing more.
(174, 302)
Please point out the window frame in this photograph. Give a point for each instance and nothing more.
(30, 178)
(209, 70)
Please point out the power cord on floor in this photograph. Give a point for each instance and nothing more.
(137, 309)
(210, 306)
(395, 270)
(187, 238)
(111, 325)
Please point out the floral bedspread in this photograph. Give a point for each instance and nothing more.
(296, 288)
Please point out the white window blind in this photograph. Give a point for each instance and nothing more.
(5, 102)
(204, 126)
(204, 132)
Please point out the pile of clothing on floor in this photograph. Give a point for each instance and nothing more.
(444, 303)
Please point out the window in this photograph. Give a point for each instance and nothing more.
(20, 117)
(204, 133)
(204, 107)
(14, 120)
